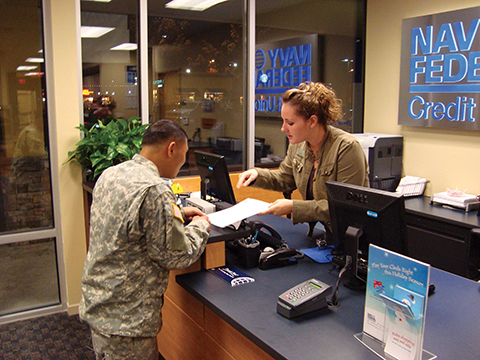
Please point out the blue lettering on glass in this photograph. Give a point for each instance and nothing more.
(437, 66)
(266, 104)
(289, 67)
(260, 59)
(305, 54)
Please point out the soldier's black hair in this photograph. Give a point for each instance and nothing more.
(163, 130)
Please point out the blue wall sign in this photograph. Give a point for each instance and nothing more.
(280, 66)
(440, 71)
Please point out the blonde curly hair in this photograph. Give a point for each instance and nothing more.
(315, 98)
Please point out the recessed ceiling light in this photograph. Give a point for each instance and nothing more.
(94, 31)
(26, 67)
(194, 5)
(125, 46)
(38, 74)
(35, 60)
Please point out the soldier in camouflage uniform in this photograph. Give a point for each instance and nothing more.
(137, 234)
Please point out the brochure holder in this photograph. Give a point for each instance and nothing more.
(378, 347)
(395, 306)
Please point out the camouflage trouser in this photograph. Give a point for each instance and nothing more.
(113, 347)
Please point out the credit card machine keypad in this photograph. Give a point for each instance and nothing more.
(307, 296)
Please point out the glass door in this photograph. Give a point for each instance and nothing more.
(28, 245)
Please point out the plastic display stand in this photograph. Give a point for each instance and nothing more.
(379, 348)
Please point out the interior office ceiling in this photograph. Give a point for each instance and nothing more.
(339, 17)
(229, 11)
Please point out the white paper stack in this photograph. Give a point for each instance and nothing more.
(466, 202)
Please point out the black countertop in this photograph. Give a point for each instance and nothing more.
(452, 323)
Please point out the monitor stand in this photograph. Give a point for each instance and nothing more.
(350, 278)
(203, 188)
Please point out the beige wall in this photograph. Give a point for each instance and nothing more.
(64, 117)
(446, 158)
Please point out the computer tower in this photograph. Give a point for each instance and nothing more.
(384, 154)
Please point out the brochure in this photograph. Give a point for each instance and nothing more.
(395, 302)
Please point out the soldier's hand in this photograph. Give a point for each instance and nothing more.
(191, 211)
(205, 217)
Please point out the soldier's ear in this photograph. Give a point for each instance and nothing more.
(171, 148)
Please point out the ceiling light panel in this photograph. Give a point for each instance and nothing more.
(34, 60)
(194, 5)
(94, 31)
(26, 67)
(125, 46)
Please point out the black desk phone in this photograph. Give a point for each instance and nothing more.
(303, 298)
(278, 253)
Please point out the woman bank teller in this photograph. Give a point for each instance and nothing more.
(317, 152)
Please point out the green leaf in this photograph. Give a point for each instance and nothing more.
(105, 145)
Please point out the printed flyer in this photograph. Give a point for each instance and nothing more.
(395, 302)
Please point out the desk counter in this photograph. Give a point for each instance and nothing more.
(443, 237)
(452, 322)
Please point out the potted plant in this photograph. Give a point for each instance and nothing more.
(105, 145)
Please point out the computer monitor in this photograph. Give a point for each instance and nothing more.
(361, 216)
(215, 180)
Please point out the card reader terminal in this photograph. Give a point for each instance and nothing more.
(303, 298)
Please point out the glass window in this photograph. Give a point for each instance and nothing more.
(29, 276)
(321, 41)
(28, 267)
(25, 189)
(109, 60)
(196, 76)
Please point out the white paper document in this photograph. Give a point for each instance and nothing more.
(242, 210)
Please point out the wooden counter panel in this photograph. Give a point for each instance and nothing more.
(215, 351)
(231, 339)
(180, 338)
(182, 298)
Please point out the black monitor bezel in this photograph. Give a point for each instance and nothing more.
(218, 186)
(352, 226)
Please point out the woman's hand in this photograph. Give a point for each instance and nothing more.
(279, 208)
(246, 178)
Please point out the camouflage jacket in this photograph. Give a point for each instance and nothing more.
(136, 236)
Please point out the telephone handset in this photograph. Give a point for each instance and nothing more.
(283, 256)
(276, 253)
(270, 237)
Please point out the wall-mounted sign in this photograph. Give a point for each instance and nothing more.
(440, 71)
(281, 65)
